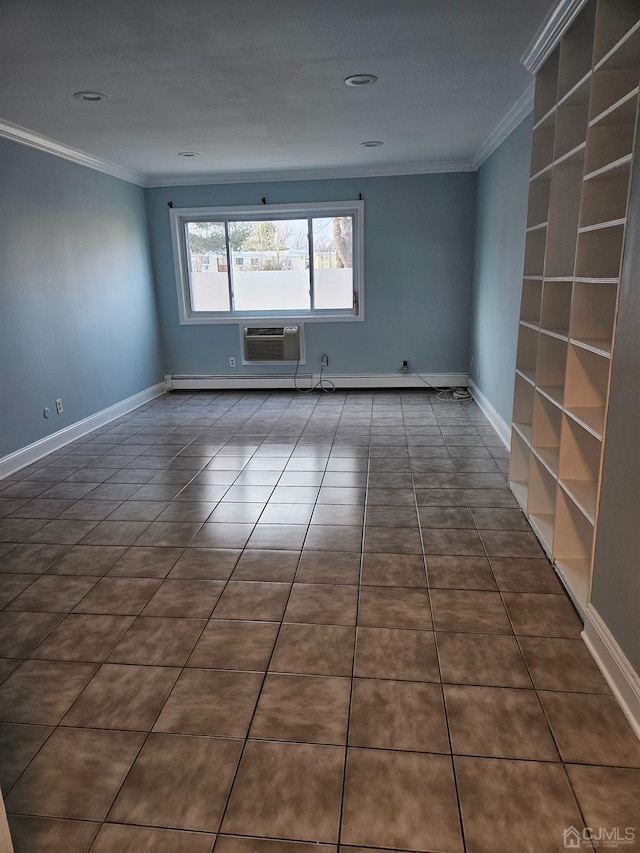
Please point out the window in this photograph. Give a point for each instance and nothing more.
(275, 261)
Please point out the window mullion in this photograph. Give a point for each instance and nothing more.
(232, 304)
(312, 292)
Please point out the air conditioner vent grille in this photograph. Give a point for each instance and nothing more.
(271, 343)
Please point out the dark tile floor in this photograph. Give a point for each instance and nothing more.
(268, 622)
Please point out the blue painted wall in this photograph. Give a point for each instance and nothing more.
(501, 214)
(419, 233)
(77, 309)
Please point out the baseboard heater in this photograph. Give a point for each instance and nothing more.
(304, 380)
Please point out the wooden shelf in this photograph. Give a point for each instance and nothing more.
(519, 468)
(607, 147)
(556, 307)
(545, 431)
(550, 366)
(583, 493)
(564, 207)
(546, 87)
(530, 302)
(580, 466)
(549, 457)
(542, 502)
(555, 393)
(599, 253)
(571, 129)
(538, 206)
(608, 89)
(527, 352)
(576, 50)
(542, 149)
(605, 198)
(593, 313)
(534, 253)
(585, 118)
(590, 417)
(624, 53)
(572, 546)
(615, 22)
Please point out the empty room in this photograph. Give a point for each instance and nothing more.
(319, 405)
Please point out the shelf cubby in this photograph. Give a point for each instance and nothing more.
(600, 253)
(519, 469)
(545, 431)
(550, 367)
(534, 252)
(593, 313)
(523, 407)
(607, 147)
(615, 23)
(556, 307)
(587, 381)
(579, 467)
(542, 148)
(572, 547)
(546, 87)
(576, 50)
(530, 302)
(571, 128)
(538, 208)
(564, 207)
(527, 352)
(608, 89)
(541, 502)
(584, 142)
(604, 199)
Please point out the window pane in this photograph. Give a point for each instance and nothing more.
(208, 266)
(274, 273)
(333, 262)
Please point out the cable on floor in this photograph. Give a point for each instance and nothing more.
(325, 385)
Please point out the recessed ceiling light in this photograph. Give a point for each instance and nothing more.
(92, 97)
(372, 143)
(187, 153)
(360, 80)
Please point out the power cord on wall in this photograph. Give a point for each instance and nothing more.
(325, 385)
(456, 395)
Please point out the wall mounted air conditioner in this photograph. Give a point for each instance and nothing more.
(268, 344)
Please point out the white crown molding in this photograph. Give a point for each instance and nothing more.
(614, 665)
(35, 140)
(551, 31)
(50, 443)
(309, 174)
(518, 112)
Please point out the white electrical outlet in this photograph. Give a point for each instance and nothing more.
(59, 408)
(324, 360)
(232, 361)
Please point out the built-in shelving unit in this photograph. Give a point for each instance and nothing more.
(585, 120)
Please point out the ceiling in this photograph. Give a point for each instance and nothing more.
(256, 86)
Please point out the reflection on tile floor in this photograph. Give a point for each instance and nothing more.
(262, 622)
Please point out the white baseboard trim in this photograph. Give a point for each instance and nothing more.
(30, 454)
(305, 380)
(614, 665)
(492, 415)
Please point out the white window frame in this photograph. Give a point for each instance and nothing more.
(180, 216)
